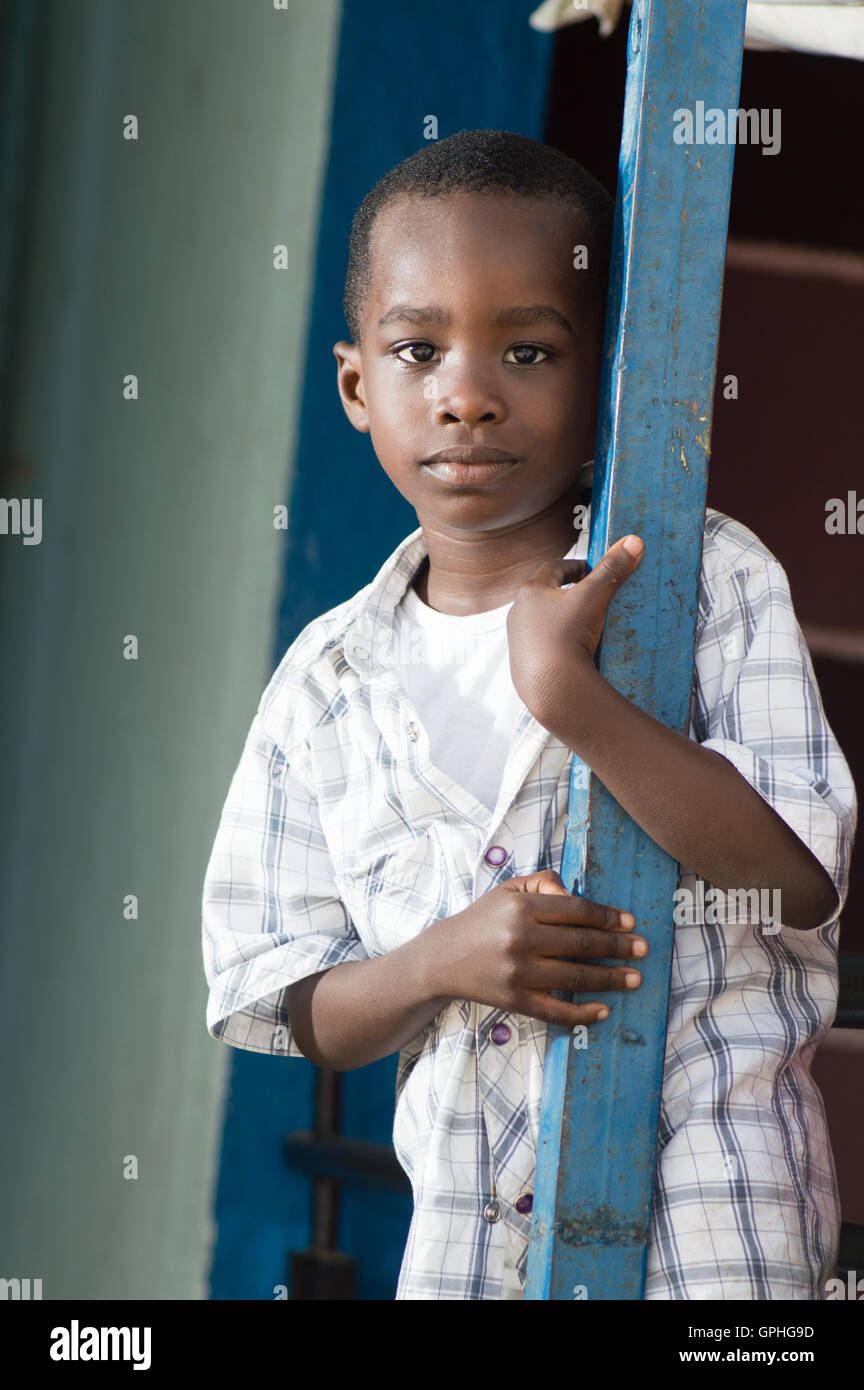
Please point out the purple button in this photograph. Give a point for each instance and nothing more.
(524, 1203)
(495, 855)
(500, 1033)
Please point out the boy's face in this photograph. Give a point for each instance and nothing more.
(477, 334)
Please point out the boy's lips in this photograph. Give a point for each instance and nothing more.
(468, 465)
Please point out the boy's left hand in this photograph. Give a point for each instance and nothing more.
(553, 633)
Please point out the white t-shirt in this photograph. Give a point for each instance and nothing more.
(456, 672)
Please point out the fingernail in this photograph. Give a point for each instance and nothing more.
(602, 1013)
(633, 545)
(640, 948)
(627, 919)
(631, 979)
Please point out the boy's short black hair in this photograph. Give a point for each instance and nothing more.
(478, 161)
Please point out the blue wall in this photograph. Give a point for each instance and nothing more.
(470, 65)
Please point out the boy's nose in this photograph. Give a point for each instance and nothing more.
(469, 406)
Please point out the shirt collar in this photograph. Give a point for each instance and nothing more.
(370, 631)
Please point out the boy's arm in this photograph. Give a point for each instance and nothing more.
(689, 799)
(361, 1011)
(694, 803)
(288, 971)
(509, 949)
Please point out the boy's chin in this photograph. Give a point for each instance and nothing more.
(472, 516)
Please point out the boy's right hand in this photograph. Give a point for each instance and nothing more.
(528, 936)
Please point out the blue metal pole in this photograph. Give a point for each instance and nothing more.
(601, 1102)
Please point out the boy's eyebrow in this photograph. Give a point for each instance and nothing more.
(515, 315)
(521, 315)
(404, 313)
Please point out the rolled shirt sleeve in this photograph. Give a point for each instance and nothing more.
(757, 703)
(271, 913)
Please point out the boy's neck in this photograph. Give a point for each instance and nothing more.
(473, 572)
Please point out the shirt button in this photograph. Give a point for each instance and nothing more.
(492, 1212)
(413, 732)
(524, 1203)
(360, 653)
(496, 855)
(500, 1033)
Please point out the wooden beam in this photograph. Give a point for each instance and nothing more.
(600, 1108)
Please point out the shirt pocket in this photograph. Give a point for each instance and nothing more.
(393, 896)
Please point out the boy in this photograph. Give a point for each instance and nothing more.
(384, 875)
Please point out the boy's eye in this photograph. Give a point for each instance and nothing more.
(421, 353)
(523, 353)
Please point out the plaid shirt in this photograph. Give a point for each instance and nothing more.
(340, 840)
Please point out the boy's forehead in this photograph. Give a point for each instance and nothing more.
(435, 241)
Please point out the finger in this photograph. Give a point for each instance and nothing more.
(544, 881)
(578, 943)
(578, 912)
(551, 1010)
(619, 562)
(581, 978)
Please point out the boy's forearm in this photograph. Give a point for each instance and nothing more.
(693, 802)
(361, 1011)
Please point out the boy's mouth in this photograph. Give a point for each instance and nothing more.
(469, 465)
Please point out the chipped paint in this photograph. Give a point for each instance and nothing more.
(704, 442)
(602, 1226)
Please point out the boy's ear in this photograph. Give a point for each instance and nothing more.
(349, 382)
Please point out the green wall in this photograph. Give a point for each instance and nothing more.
(152, 257)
